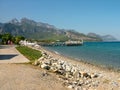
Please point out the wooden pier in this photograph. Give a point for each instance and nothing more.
(73, 43)
(67, 43)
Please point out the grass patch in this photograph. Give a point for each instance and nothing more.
(29, 53)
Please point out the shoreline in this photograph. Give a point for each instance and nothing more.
(83, 78)
(106, 80)
(77, 75)
(102, 67)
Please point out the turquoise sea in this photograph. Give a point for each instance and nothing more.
(105, 54)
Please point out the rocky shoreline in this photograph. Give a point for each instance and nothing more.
(76, 75)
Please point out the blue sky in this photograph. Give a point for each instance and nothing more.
(99, 16)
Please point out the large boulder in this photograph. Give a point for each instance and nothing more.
(94, 75)
(36, 63)
(45, 66)
(84, 74)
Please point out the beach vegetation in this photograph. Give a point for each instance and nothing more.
(29, 53)
(7, 38)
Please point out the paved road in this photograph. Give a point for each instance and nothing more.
(9, 54)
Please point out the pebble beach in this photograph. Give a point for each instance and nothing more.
(78, 75)
(54, 72)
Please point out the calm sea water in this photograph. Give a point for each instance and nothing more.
(105, 54)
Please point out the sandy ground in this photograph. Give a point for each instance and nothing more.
(24, 76)
(27, 77)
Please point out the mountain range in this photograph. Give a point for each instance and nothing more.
(43, 31)
(103, 37)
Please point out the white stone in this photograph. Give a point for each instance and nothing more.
(54, 64)
(94, 75)
(53, 69)
(78, 88)
(61, 62)
(68, 68)
(41, 58)
(70, 86)
(44, 66)
(76, 75)
(36, 63)
(36, 46)
(84, 74)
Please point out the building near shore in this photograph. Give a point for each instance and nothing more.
(27, 43)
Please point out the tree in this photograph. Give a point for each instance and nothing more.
(18, 38)
(9, 39)
(0, 36)
(6, 37)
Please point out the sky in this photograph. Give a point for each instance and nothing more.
(98, 16)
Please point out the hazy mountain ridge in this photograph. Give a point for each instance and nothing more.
(104, 37)
(38, 30)
(108, 38)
